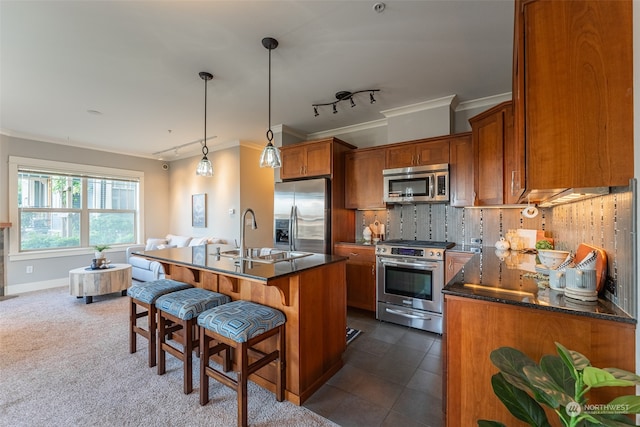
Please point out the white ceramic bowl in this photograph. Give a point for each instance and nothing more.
(552, 258)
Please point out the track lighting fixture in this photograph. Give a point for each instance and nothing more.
(343, 96)
(271, 154)
(204, 166)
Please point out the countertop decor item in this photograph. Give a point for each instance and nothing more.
(502, 244)
(552, 258)
(204, 166)
(270, 154)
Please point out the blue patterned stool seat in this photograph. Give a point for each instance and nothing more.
(240, 328)
(144, 295)
(241, 320)
(188, 303)
(149, 292)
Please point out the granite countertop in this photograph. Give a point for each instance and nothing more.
(511, 278)
(205, 257)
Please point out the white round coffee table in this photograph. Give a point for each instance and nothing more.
(87, 283)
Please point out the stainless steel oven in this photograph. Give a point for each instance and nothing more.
(410, 278)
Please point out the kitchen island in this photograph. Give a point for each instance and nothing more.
(493, 303)
(310, 291)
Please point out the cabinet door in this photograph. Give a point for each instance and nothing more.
(401, 156)
(432, 153)
(513, 161)
(363, 170)
(361, 275)
(577, 93)
(461, 172)
(318, 159)
(293, 162)
(488, 133)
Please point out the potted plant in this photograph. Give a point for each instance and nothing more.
(98, 251)
(561, 383)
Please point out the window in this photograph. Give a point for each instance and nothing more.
(63, 210)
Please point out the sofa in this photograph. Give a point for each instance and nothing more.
(144, 270)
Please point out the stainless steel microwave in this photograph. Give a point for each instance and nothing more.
(417, 184)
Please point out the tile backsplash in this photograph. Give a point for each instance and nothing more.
(604, 221)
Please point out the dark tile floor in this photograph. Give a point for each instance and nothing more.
(392, 376)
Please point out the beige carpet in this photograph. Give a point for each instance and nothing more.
(66, 363)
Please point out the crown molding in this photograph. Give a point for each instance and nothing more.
(445, 101)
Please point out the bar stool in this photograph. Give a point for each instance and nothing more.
(240, 325)
(178, 311)
(145, 294)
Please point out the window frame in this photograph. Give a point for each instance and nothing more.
(55, 167)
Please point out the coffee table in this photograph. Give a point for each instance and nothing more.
(87, 283)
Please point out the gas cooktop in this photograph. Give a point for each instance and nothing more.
(418, 243)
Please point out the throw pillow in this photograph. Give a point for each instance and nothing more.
(152, 244)
(179, 241)
(197, 241)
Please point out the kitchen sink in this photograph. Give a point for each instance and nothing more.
(267, 256)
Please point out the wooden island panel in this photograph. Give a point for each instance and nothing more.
(314, 303)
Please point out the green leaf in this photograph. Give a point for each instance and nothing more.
(511, 361)
(624, 375)
(612, 420)
(631, 403)
(596, 377)
(551, 393)
(561, 374)
(572, 359)
(520, 404)
(487, 423)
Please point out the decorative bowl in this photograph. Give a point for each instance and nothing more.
(552, 258)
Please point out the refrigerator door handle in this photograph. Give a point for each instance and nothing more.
(294, 226)
(292, 217)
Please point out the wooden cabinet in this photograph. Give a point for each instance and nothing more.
(492, 131)
(361, 275)
(363, 172)
(313, 158)
(323, 158)
(573, 92)
(461, 189)
(454, 262)
(430, 151)
(474, 328)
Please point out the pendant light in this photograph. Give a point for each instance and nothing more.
(204, 166)
(271, 154)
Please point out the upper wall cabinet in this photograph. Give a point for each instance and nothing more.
(573, 92)
(363, 183)
(416, 153)
(494, 173)
(312, 158)
(461, 167)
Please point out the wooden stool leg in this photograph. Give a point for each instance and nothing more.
(243, 367)
(188, 355)
(280, 366)
(162, 357)
(204, 363)
(152, 335)
(132, 323)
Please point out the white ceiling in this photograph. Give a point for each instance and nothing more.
(137, 63)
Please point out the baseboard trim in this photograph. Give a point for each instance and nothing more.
(36, 286)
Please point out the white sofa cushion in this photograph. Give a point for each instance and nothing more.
(197, 241)
(152, 244)
(178, 241)
(144, 270)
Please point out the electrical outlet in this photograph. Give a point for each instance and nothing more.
(476, 241)
(29, 269)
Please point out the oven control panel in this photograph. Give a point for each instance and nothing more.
(401, 251)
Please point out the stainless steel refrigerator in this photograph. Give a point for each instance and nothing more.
(301, 215)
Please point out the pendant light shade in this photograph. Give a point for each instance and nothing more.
(204, 166)
(271, 154)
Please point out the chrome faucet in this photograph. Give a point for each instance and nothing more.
(243, 225)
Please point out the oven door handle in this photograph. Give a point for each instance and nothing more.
(405, 314)
(421, 266)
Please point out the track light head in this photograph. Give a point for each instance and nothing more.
(335, 109)
(353, 104)
(371, 98)
(315, 112)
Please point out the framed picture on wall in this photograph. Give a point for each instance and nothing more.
(199, 210)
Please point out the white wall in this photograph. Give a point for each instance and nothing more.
(256, 190)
